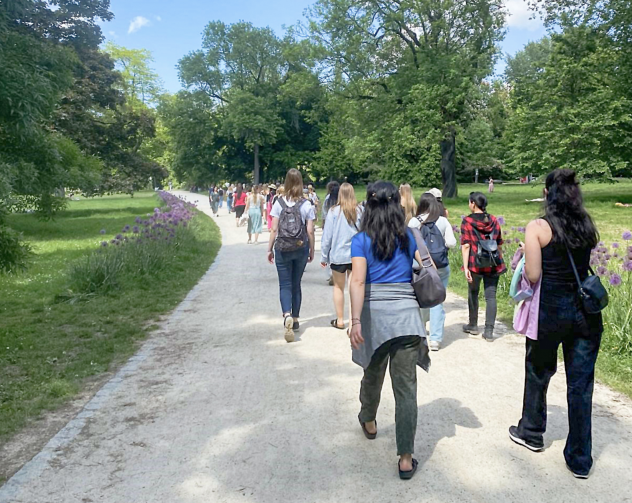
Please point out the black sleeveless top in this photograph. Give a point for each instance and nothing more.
(556, 266)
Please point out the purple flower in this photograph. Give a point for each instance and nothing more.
(102, 231)
(521, 229)
(607, 256)
(119, 237)
(501, 220)
(138, 220)
(513, 228)
(601, 243)
(156, 210)
(126, 228)
(615, 280)
(135, 229)
(517, 240)
(615, 245)
(594, 261)
(627, 235)
(104, 244)
(627, 266)
(601, 271)
(615, 255)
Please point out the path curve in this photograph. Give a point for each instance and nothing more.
(217, 407)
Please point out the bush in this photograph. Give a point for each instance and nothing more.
(14, 254)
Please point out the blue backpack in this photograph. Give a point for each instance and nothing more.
(435, 243)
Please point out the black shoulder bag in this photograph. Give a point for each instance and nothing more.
(591, 291)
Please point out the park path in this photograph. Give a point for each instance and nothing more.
(217, 407)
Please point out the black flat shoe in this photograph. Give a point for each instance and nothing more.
(410, 473)
(334, 323)
(370, 436)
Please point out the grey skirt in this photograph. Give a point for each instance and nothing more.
(390, 310)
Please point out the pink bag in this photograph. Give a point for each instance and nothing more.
(528, 311)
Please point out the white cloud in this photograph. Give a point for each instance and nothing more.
(520, 16)
(137, 23)
(158, 18)
(112, 34)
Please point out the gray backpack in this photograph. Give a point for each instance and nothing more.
(292, 232)
(429, 289)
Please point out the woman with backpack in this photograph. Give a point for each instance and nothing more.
(291, 247)
(557, 251)
(386, 326)
(240, 202)
(481, 241)
(343, 222)
(439, 237)
(254, 208)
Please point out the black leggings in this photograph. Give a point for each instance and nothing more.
(491, 284)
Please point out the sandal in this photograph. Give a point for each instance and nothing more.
(334, 323)
(370, 436)
(407, 475)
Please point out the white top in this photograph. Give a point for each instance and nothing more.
(253, 203)
(307, 209)
(442, 224)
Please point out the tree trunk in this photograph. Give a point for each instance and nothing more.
(448, 166)
(255, 176)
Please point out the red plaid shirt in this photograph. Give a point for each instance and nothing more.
(487, 230)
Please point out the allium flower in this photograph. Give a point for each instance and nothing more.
(119, 237)
(104, 244)
(126, 228)
(601, 243)
(156, 210)
(135, 229)
(513, 228)
(601, 271)
(517, 240)
(594, 261)
(615, 245)
(607, 256)
(501, 220)
(627, 236)
(615, 255)
(138, 220)
(521, 229)
(102, 231)
(627, 266)
(615, 280)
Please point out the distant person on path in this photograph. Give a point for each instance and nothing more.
(408, 202)
(439, 237)
(221, 196)
(331, 199)
(313, 197)
(240, 202)
(215, 201)
(565, 230)
(269, 203)
(254, 208)
(229, 199)
(343, 223)
(291, 247)
(481, 265)
(490, 188)
(385, 322)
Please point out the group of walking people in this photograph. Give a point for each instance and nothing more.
(373, 247)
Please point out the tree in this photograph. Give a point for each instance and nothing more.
(412, 69)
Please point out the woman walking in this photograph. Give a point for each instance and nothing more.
(408, 202)
(480, 264)
(254, 209)
(565, 231)
(439, 237)
(240, 202)
(331, 200)
(490, 187)
(386, 323)
(269, 202)
(343, 222)
(291, 247)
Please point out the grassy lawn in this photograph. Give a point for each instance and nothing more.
(48, 348)
(614, 366)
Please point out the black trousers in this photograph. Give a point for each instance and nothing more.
(562, 320)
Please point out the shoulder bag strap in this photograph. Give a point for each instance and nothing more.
(426, 260)
(570, 257)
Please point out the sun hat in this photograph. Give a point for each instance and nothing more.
(435, 192)
(272, 186)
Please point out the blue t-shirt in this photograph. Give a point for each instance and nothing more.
(397, 270)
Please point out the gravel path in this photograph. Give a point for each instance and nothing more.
(217, 407)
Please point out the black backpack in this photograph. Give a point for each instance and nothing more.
(435, 244)
(487, 254)
(292, 232)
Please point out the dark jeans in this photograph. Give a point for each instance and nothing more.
(562, 321)
(490, 283)
(403, 353)
(290, 268)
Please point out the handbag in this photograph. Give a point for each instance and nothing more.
(429, 289)
(592, 293)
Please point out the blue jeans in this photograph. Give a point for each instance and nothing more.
(436, 315)
(562, 320)
(290, 268)
(221, 201)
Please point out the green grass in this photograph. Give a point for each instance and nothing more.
(48, 348)
(614, 366)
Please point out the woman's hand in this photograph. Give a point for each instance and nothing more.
(271, 257)
(468, 275)
(323, 265)
(310, 259)
(355, 335)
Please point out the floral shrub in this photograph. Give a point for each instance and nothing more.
(144, 247)
(612, 262)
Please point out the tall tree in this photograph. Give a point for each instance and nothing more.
(413, 67)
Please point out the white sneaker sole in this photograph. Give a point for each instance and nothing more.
(577, 475)
(521, 442)
(289, 332)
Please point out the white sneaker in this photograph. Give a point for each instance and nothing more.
(434, 345)
(288, 323)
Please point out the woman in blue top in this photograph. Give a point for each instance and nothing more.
(385, 318)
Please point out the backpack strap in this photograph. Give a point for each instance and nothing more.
(282, 202)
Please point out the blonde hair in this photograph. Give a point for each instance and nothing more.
(294, 184)
(348, 203)
(280, 191)
(255, 194)
(408, 202)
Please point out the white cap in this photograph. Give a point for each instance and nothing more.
(435, 192)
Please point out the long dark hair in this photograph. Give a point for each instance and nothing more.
(429, 204)
(384, 220)
(333, 189)
(480, 201)
(564, 211)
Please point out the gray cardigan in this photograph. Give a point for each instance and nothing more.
(337, 236)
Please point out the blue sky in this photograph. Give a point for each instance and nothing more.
(172, 28)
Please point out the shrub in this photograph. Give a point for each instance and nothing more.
(14, 254)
